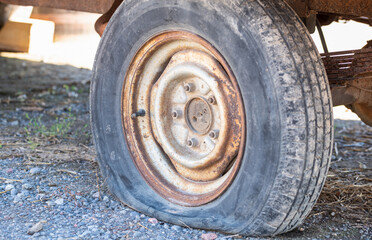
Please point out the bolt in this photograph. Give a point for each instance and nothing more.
(211, 100)
(213, 134)
(139, 113)
(192, 142)
(176, 114)
(188, 87)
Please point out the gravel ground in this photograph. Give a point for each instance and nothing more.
(51, 187)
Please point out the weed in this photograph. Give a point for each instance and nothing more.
(60, 128)
(70, 88)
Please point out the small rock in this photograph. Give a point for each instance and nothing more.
(137, 235)
(13, 192)
(153, 220)
(35, 170)
(14, 123)
(17, 199)
(27, 186)
(96, 195)
(209, 236)
(301, 229)
(22, 97)
(40, 196)
(106, 199)
(35, 228)
(50, 203)
(134, 214)
(93, 228)
(72, 94)
(59, 201)
(9, 170)
(333, 214)
(9, 187)
(176, 228)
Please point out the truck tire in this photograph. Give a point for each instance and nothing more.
(214, 114)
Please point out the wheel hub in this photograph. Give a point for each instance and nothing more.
(194, 86)
(198, 115)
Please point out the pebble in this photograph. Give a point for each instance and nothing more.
(27, 186)
(9, 170)
(209, 236)
(35, 170)
(59, 201)
(50, 203)
(35, 228)
(9, 187)
(106, 199)
(176, 228)
(134, 214)
(153, 220)
(17, 199)
(95, 195)
(137, 235)
(40, 196)
(14, 123)
(13, 192)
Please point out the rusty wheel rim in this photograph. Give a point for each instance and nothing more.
(183, 118)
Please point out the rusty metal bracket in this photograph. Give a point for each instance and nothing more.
(347, 66)
(350, 77)
(301, 7)
(351, 8)
(357, 8)
(102, 21)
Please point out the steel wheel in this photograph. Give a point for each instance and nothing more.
(183, 118)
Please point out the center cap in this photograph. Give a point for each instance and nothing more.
(198, 115)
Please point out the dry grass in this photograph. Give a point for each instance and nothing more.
(45, 151)
(348, 193)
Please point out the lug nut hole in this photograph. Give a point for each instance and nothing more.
(213, 134)
(192, 142)
(174, 114)
(188, 87)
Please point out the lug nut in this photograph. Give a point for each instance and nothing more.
(212, 100)
(213, 134)
(176, 114)
(189, 87)
(192, 142)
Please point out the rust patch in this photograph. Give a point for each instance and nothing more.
(102, 21)
(347, 66)
(357, 8)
